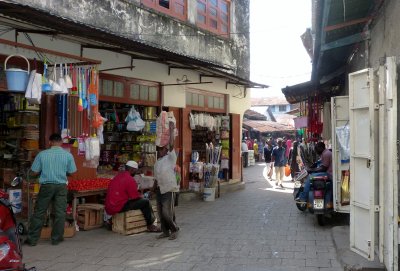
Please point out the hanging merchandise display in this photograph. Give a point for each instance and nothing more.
(163, 133)
(17, 79)
(132, 139)
(134, 121)
(211, 149)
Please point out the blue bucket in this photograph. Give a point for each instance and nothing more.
(17, 79)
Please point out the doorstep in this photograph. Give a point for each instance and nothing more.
(350, 260)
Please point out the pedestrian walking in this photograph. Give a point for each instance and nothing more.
(294, 166)
(245, 153)
(267, 157)
(53, 165)
(279, 162)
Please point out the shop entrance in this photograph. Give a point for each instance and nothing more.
(125, 141)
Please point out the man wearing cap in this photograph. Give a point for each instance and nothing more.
(122, 195)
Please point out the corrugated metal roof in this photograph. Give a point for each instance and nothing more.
(251, 114)
(269, 101)
(68, 26)
(266, 126)
(286, 119)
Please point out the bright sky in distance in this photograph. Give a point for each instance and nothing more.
(277, 55)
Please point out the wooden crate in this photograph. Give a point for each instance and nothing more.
(68, 232)
(130, 222)
(90, 216)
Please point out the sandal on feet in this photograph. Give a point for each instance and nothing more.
(162, 235)
(153, 228)
(173, 236)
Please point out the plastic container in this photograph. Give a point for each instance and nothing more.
(17, 79)
(209, 194)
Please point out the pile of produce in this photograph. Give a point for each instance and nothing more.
(88, 184)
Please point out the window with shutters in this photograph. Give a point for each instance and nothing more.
(203, 100)
(121, 89)
(175, 8)
(214, 15)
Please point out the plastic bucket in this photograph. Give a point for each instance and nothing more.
(17, 79)
(209, 194)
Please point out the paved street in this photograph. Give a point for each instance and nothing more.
(258, 228)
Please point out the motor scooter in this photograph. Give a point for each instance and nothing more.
(320, 199)
(299, 187)
(10, 243)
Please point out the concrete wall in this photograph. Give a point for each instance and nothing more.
(128, 18)
(385, 38)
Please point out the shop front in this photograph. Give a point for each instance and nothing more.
(210, 157)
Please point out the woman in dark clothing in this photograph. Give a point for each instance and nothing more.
(294, 167)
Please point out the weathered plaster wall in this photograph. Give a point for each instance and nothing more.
(128, 18)
(385, 38)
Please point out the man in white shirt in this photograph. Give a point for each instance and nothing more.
(245, 153)
(166, 187)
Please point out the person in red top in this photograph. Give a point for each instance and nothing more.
(123, 195)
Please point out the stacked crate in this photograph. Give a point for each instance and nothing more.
(251, 158)
(130, 222)
(90, 216)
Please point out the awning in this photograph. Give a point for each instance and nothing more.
(339, 27)
(298, 93)
(33, 20)
(266, 126)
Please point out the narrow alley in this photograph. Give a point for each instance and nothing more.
(258, 228)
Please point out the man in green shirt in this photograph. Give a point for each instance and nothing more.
(53, 165)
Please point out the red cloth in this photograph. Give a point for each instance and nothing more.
(122, 188)
(6, 220)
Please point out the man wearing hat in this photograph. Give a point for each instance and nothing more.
(123, 195)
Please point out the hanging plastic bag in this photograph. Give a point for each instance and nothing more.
(61, 81)
(345, 188)
(67, 77)
(92, 146)
(97, 119)
(191, 121)
(55, 88)
(34, 89)
(343, 138)
(287, 170)
(135, 122)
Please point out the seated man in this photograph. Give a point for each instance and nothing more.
(122, 195)
(324, 169)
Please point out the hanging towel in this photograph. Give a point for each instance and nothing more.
(327, 120)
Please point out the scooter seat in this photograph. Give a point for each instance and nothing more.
(320, 178)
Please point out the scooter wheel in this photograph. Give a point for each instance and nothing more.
(302, 206)
(321, 220)
(21, 229)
